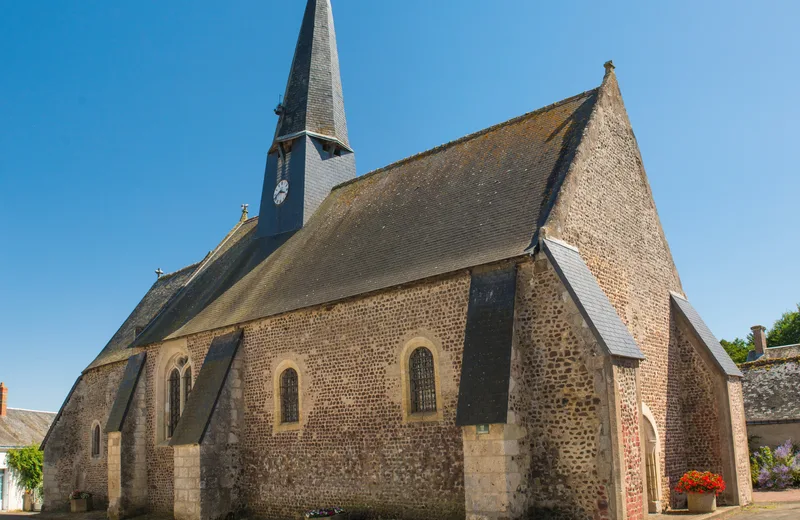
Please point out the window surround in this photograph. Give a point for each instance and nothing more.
(99, 454)
(172, 355)
(407, 349)
(277, 425)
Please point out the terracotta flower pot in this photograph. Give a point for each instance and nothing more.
(702, 502)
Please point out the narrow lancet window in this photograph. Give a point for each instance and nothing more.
(187, 384)
(174, 401)
(423, 381)
(96, 441)
(290, 409)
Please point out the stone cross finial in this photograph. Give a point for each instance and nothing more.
(244, 211)
(159, 272)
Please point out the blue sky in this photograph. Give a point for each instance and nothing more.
(132, 131)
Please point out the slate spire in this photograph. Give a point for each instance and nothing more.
(314, 102)
(311, 152)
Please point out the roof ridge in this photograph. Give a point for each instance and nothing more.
(28, 410)
(465, 138)
(199, 269)
(785, 346)
(213, 253)
(182, 269)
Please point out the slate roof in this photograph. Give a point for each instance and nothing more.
(206, 391)
(488, 338)
(24, 427)
(474, 201)
(222, 268)
(596, 309)
(704, 334)
(127, 387)
(314, 101)
(151, 304)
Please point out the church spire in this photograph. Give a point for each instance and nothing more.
(311, 152)
(314, 102)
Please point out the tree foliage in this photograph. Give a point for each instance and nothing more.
(785, 331)
(737, 349)
(27, 463)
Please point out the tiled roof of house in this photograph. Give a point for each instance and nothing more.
(474, 201)
(783, 351)
(770, 387)
(24, 427)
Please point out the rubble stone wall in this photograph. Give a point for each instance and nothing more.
(559, 397)
(160, 456)
(69, 464)
(606, 209)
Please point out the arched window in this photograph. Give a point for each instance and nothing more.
(96, 440)
(174, 383)
(174, 390)
(290, 409)
(422, 381)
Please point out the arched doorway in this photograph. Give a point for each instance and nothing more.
(652, 458)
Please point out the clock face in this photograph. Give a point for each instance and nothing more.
(281, 191)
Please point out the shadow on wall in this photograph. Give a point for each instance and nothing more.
(674, 449)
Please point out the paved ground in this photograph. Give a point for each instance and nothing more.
(790, 495)
(758, 511)
(776, 511)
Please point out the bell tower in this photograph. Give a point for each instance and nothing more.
(310, 153)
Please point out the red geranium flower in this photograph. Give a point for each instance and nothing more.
(697, 482)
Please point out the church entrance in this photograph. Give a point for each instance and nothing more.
(652, 470)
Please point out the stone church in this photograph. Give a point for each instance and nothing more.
(494, 328)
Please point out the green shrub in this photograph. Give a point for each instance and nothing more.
(27, 463)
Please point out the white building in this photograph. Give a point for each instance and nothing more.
(18, 428)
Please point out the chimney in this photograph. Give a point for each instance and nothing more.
(3, 400)
(759, 338)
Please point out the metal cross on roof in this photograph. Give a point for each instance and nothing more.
(159, 272)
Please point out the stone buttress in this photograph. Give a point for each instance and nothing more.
(206, 440)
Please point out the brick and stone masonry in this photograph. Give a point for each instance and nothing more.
(578, 438)
(606, 209)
